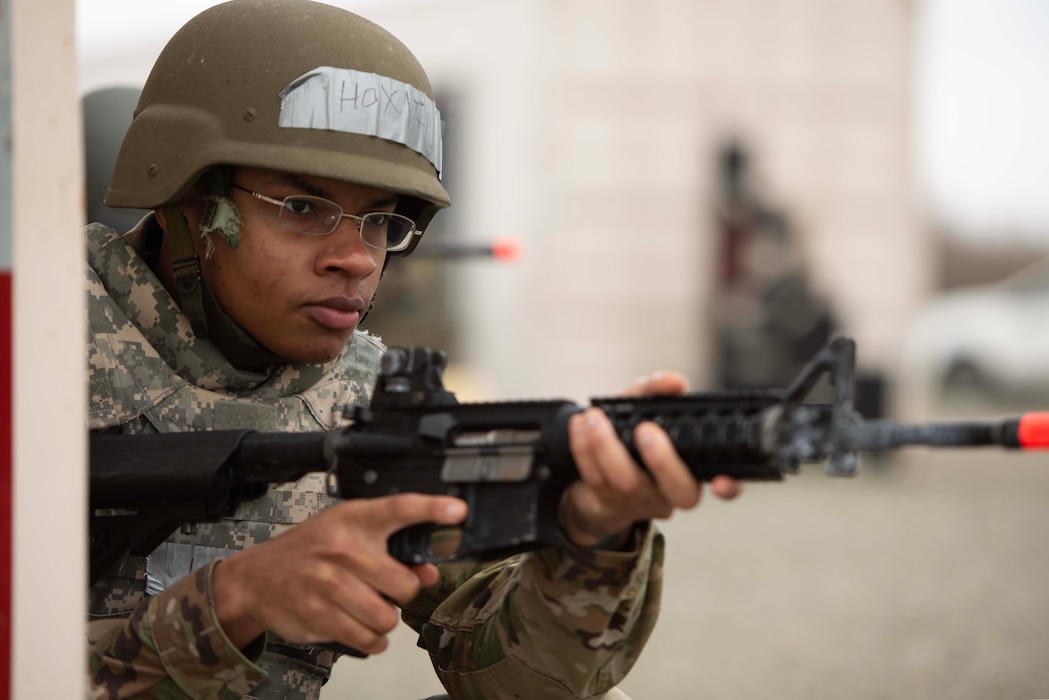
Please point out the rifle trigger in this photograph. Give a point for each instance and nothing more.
(331, 483)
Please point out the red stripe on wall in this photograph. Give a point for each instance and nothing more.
(6, 381)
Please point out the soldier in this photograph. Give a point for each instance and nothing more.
(288, 150)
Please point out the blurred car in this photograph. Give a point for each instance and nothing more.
(992, 339)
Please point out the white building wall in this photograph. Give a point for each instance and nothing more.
(591, 131)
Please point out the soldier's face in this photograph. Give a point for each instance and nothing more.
(299, 295)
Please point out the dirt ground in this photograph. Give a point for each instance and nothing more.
(922, 578)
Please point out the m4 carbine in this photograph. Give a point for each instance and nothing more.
(510, 461)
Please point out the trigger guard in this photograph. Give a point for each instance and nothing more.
(411, 545)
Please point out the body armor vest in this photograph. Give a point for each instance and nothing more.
(149, 373)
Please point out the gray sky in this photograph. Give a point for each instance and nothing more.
(982, 125)
(982, 99)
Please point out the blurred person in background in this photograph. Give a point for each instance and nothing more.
(287, 151)
(770, 321)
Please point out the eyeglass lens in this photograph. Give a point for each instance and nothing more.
(320, 216)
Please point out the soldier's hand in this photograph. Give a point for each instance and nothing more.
(613, 492)
(330, 578)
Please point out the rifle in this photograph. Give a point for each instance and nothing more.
(510, 461)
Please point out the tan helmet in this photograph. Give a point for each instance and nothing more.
(248, 82)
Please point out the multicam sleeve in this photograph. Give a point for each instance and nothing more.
(556, 623)
(170, 647)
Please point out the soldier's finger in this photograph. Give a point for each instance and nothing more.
(394, 580)
(363, 606)
(358, 546)
(726, 487)
(404, 509)
(580, 444)
(646, 503)
(618, 469)
(350, 632)
(426, 573)
(671, 475)
(662, 383)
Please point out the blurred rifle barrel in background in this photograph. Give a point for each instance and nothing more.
(506, 249)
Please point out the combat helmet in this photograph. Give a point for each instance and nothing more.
(291, 85)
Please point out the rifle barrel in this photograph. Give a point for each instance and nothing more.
(1029, 431)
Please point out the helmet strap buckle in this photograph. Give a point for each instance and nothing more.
(186, 270)
(187, 274)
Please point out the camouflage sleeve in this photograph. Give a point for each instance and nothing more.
(170, 647)
(556, 623)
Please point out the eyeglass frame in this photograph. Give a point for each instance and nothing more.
(358, 220)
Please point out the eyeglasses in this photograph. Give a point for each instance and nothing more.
(317, 216)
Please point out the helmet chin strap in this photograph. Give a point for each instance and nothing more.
(185, 265)
(209, 321)
(371, 302)
(243, 351)
(371, 305)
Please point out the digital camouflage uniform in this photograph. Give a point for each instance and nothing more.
(149, 373)
(561, 623)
